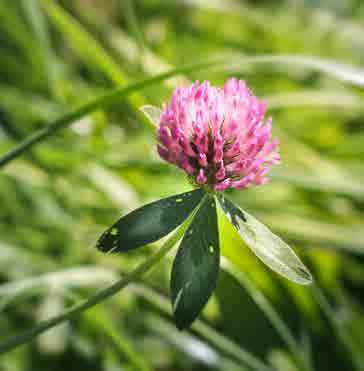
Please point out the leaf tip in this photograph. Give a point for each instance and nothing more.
(306, 277)
(152, 113)
(300, 274)
(180, 323)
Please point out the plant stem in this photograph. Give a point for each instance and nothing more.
(100, 296)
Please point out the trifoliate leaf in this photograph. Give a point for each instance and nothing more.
(196, 266)
(149, 223)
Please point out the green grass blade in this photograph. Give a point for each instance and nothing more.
(99, 103)
(128, 11)
(302, 178)
(323, 98)
(272, 315)
(99, 297)
(340, 71)
(38, 24)
(189, 344)
(17, 32)
(100, 320)
(345, 238)
(88, 49)
(341, 334)
(107, 99)
(68, 279)
(226, 345)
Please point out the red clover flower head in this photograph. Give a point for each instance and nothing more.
(218, 136)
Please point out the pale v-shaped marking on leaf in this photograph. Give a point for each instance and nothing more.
(268, 247)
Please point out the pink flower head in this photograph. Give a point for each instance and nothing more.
(218, 136)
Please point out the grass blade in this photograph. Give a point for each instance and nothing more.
(128, 10)
(265, 306)
(99, 297)
(99, 103)
(337, 70)
(342, 335)
(105, 100)
(83, 43)
(37, 22)
(217, 339)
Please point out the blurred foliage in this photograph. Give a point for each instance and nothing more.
(58, 197)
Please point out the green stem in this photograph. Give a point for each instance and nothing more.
(99, 103)
(100, 296)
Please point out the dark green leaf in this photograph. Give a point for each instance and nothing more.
(196, 266)
(149, 223)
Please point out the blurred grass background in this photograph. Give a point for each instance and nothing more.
(304, 58)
